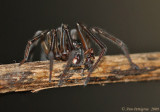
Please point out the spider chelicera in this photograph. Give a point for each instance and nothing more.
(73, 46)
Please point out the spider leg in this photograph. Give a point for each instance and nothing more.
(57, 51)
(117, 41)
(51, 35)
(84, 43)
(67, 67)
(65, 32)
(63, 42)
(100, 44)
(88, 62)
(70, 41)
(31, 43)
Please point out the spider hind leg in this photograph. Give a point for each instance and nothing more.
(100, 44)
(116, 41)
(38, 36)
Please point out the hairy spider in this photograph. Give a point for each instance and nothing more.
(73, 46)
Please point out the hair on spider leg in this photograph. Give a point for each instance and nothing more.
(73, 46)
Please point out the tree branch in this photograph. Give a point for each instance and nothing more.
(34, 76)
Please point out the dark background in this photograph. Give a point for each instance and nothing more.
(136, 22)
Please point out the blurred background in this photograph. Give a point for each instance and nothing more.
(136, 22)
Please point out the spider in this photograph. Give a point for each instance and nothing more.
(73, 46)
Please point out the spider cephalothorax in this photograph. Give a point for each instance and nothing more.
(73, 46)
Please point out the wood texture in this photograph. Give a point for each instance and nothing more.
(34, 76)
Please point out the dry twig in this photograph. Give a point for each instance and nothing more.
(33, 76)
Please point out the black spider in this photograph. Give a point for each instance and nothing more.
(74, 47)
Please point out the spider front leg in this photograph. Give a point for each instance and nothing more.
(73, 60)
(66, 34)
(76, 54)
(118, 42)
(89, 64)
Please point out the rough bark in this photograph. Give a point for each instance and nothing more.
(34, 76)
